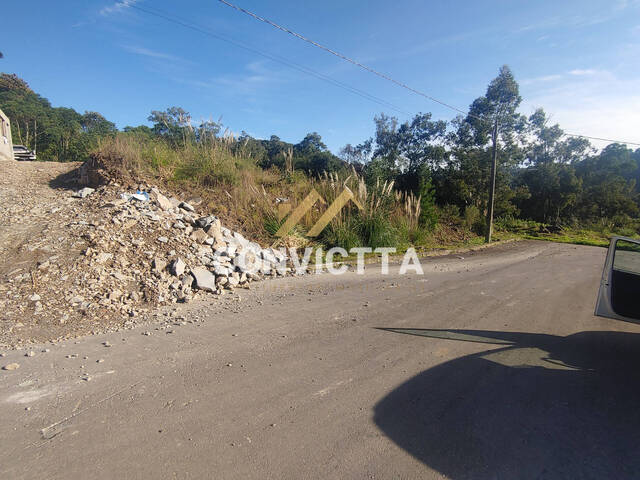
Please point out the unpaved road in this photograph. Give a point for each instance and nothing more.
(297, 380)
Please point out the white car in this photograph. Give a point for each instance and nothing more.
(20, 152)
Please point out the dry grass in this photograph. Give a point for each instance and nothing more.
(246, 196)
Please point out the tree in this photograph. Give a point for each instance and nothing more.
(95, 124)
(494, 118)
(310, 144)
(545, 143)
(174, 124)
(358, 155)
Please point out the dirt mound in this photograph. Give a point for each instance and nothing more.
(104, 168)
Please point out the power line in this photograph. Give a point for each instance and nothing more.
(598, 138)
(379, 74)
(343, 57)
(275, 58)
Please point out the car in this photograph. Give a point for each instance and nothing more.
(20, 152)
(620, 283)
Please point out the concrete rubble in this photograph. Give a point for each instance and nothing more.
(119, 255)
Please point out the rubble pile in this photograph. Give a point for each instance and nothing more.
(122, 254)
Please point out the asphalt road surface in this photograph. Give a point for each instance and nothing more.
(489, 366)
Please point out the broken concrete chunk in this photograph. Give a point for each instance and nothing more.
(187, 281)
(199, 235)
(187, 207)
(222, 271)
(177, 267)
(204, 279)
(159, 264)
(103, 257)
(83, 192)
(163, 202)
(204, 222)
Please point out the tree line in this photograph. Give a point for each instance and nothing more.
(542, 174)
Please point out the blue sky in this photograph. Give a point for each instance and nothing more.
(579, 60)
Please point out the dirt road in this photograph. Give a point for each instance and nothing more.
(488, 366)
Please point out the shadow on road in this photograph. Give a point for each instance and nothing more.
(538, 406)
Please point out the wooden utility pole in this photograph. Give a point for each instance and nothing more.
(492, 183)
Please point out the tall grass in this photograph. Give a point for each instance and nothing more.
(246, 196)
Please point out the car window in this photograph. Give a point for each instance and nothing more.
(627, 257)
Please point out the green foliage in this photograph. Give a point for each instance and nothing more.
(414, 178)
(344, 234)
(58, 134)
(377, 230)
(474, 221)
(428, 218)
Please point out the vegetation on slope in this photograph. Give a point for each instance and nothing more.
(423, 182)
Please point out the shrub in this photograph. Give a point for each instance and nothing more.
(343, 234)
(473, 220)
(449, 214)
(376, 230)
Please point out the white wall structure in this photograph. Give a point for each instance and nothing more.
(6, 146)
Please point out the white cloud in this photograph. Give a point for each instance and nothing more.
(589, 102)
(542, 79)
(117, 7)
(255, 78)
(145, 52)
(585, 72)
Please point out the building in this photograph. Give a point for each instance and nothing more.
(6, 146)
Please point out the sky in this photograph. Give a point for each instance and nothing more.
(579, 60)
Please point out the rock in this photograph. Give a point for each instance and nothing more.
(140, 197)
(204, 222)
(114, 295)
(83, 192)
(103, 257)
(163, 239)
(116, 203)
(35, 297)
(177, 267)
(163, 202)
(30, 354)
(199, 236)
(187, 207)
(159, 264)
(246, 262)
(11, 366)
(187, 281)
(215, 230)
(240, 239)
(204, 279)
(222, 271)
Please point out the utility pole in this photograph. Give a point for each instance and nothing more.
(492, 184)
